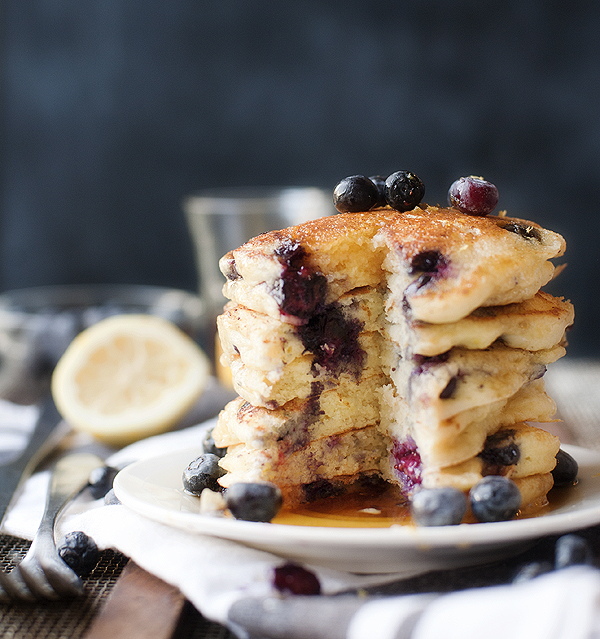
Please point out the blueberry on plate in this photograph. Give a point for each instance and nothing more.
(253, 501)
(203, 472)
(495, 498)
(566, 469)
(572, 550)
(79, 552)
(438, 506)
(355, 194)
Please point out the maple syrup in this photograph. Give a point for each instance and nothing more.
(377, 507)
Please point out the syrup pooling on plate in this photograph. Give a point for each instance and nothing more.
(372, 507)
(376, 508)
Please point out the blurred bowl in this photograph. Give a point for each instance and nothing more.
(37, 324)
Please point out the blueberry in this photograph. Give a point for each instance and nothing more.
(572, 550)
(500, 451)
(253, 501)
(79, 552)
(526, 231)
(566, 469)
(427, 262)
(354, 194)
(203, 472)
(450, 389)
(209, 446)
(101, 480)
(296, 580)
(379, 182)
(495, 498)
(438, 506)
(404, 190)
(531, 570)
(473, 195)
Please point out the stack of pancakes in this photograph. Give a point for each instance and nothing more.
(404, 346)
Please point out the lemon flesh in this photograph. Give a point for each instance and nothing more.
(129, 377)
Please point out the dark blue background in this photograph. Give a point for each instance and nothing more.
(113, 111)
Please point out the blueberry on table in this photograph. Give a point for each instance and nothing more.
(438, 506)
(253, 501)
(404, 190)
(203, 472)
(355, 194)
(495, 498)
(296, 580)
(79, 552)
(572, 550)
(473, 196)
(566, 469)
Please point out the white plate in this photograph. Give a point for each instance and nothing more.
(153, 488)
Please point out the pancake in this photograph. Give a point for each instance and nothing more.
(408, 347)
(481, 261)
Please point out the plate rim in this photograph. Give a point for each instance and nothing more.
(399, 536)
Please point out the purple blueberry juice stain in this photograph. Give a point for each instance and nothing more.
(325, 330)
(407, 464)
(333, 340)
(300, 292)
(231, 272)
(296, 435)
(424, 362)
(429, 266)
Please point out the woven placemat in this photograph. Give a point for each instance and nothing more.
(69, 619)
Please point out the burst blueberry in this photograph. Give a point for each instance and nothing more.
(253, 501)
(438, 506)
(495, 498)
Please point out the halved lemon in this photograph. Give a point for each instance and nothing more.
(128, 377)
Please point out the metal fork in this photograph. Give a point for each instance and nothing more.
(42, 574)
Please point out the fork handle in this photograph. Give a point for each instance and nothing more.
(69, 477)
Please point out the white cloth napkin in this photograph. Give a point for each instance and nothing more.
(222, 578)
